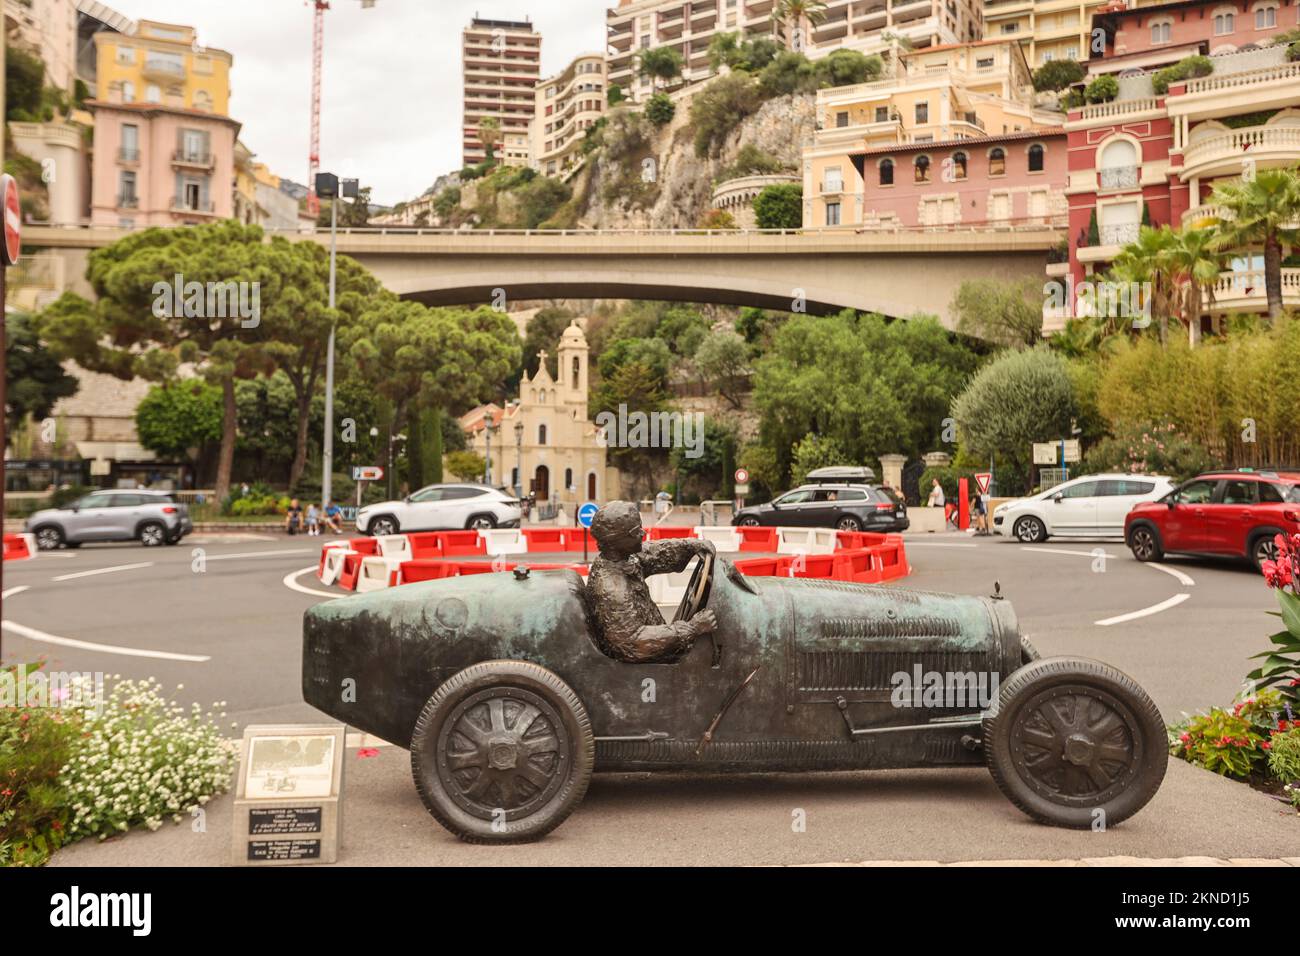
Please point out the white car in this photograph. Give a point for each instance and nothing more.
(442, 508)
(1092, 506)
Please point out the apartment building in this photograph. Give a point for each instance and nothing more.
(688, 26)
(164, 144)
(48, 28)
(951, 137)
(568, 104)
(1157, 157)
(501, 64)
(1047, 29)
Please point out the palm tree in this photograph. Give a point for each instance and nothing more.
(661, 63)
(1146, 262)
(801, 14)
(1262, 212)
(1194, 263)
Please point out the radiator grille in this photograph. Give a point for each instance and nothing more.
(874, 670)
(883, 626)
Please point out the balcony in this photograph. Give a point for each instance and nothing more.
(1223, 92)
(128, 156)
(165, 70)
(1117, 177)
(1120, 108)
(1223, 154)
(1119, 234)
(192, 159)
(1244, 291)
(1204, 216)
(131, 201)
(182, 204)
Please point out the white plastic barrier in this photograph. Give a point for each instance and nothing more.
(503, 541)
(334, 556)
(723, 538)
(669, 588)
(30, 540)
(378, 573)
(806, 540)
(395, 546)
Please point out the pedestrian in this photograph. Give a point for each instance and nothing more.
(936, 494)
(313, 520)
(293, 517)
(981, 516)
(334, 517)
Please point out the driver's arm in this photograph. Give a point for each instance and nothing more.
(663, 557)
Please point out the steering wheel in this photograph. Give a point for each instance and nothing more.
(696, 589)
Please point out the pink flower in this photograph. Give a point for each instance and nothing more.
(367, 752)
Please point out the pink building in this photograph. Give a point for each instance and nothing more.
(159, 165)
(1007, 179)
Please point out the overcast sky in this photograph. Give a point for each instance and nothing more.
(391, 88)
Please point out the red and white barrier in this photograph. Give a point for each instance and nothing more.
(503, 541)
(395, 546)
(19, 547)
(378, 573)
(724, 538)
(806, 540)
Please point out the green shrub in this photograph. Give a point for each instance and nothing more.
(779, 206)
(1284, 755)
(846, 68)
(948, 480)
(1187, 68)
(1293, 52)
(1151, 449)
(788, 73)
(660, 109)
(752, 161)
(1057, 75)
(720, 108)
(1229, 742)
(1102, 90)
(614, 95)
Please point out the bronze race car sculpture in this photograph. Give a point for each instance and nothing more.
(508, 698)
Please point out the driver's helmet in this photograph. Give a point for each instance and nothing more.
(616, 518)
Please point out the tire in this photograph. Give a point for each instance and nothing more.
(1144, 542)
(381, 525)
(459, 722)
(1063, 722)
(1262, 548)
(1029, 529)
(152, 534)
(848, 523)
(483, 522)
(747, 523)
(49, 538)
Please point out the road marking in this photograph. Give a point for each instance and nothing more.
(255, 554)
(935, 544)
(291, 582)
(86, 574)
(1146, 611)
(1184, 579)
(1078, 554)
(34, 635)
(12, 591)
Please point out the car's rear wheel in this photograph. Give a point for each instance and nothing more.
(381, 525)
(481, 522)
(502, 752)
(49, 538)
(1263, 548)
(848, 523)
(1075, 743)
(152, 534)
(1145, 543)
(748, 522)
(1029, 530)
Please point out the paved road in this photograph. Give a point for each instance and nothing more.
(239, 614)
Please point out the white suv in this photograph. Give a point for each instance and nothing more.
(1093, 506)
(441, 508)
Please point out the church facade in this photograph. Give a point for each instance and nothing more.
(542, 442)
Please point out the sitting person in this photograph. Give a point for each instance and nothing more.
(334, 517)
(632, 626)
(313, 520)
(293, 517)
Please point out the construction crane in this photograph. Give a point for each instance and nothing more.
(317, 50)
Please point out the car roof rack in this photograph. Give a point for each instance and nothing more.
(840, 474)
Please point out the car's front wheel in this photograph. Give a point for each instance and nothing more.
(49, 538)
(1144, 543)
(152, 534)
(748, 522)
(1075, 743)
(382, 525)
(481, 522)
(1029, 530)
(848, 523)
(502, 752)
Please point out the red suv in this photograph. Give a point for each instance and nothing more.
(1227, 512)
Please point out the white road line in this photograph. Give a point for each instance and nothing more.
(1079, 554)
(1146, 611)
(86, 574)
(12, 591)
(1184, 579)
(935, 544)
(255, 554)
(291, 582)
(34, 635)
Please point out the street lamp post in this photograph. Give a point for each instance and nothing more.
(330, 186)
(519, 459)
(487, 448)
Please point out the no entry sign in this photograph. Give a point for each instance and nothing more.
(13, 219)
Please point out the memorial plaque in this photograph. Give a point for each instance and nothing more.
(287, 795)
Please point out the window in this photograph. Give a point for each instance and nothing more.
(130, 141)
(1161, 31)
(959, 164)
(832, 214)
(577, 368)
(1239, 493)
(1036, 154)
(886, 172)
(1084, 489)
(1223, 23)
(192, 196)
(1125, 488)
(834, 180)
(1010, 27)
(795, 497)
(921, 169)
(1195, 492)
(541, 434)
(126, 195)
(922, 112)
(428, 494)
(882, 114)
(568, 479)
(984, 63)
(152, 94)
(997, 161)
(1265, 18)
(1271, 494)
(841, 119)
(128, 91)
(126, 54)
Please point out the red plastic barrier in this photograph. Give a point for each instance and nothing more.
(351, 570)
(667, 533)
(892, 559)
(325, 549)
(759, 567)
(479, 567)
(574, 538)
(456, 544)
(859, 566)
(546, 540)
(757, 539)
(810, 565)
(366, 546)
(425, 544)
(850, 540)
(427, 569)
(15, 548)
(580, 568)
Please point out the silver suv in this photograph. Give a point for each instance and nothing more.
(150, 517)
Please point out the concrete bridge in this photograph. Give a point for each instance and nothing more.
(895, 273)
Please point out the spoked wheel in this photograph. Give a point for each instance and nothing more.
(1075, 743)
(749, 522)
(502, 752)
(848, 524)
(1263, 549)
(153, 534)
(1144, 544)
(1029, 530)
(49, 538)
